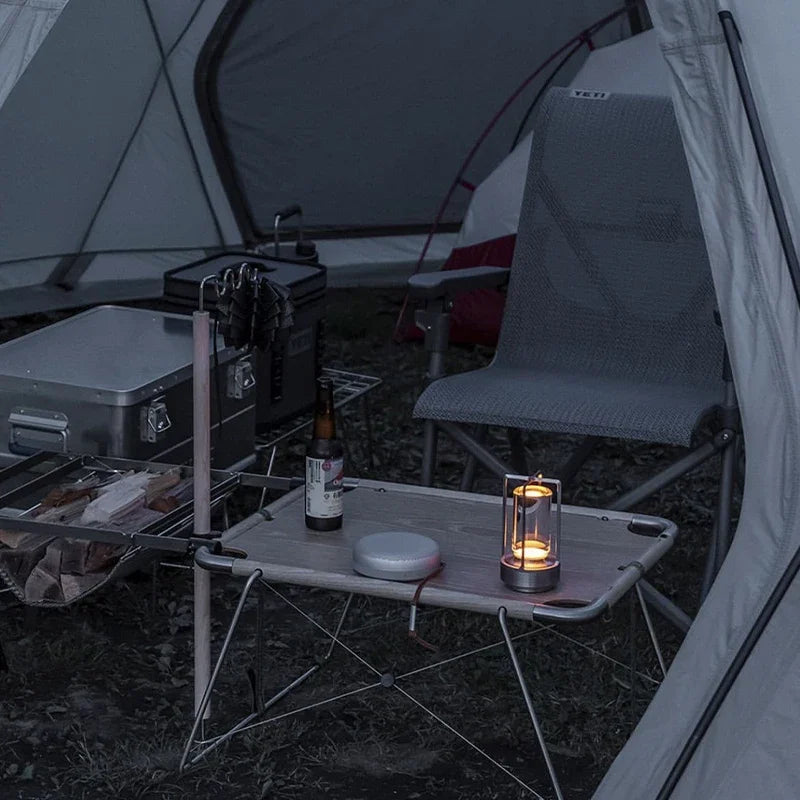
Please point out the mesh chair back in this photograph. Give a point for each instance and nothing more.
(610, 273)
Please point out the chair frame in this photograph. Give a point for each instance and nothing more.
(438, 292)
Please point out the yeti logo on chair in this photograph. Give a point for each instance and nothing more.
(588, 94)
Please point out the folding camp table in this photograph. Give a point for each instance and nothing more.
(603, 555)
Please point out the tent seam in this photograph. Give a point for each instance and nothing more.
(146, 106)
(165, 57)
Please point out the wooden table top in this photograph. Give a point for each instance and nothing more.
(602, 553)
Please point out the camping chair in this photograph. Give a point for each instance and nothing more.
(609, 328)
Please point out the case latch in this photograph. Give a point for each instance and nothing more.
(241, 378)
(154, 421)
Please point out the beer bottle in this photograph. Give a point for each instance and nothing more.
(324, 465)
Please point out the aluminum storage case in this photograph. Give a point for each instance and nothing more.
(285, 374)
(116, 381)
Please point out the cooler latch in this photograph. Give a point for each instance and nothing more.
(241, 378)
(154, 420)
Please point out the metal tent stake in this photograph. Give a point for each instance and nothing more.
(201, 331)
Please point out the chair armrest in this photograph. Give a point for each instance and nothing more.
(448, 283)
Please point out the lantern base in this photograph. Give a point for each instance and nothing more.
(531, 580)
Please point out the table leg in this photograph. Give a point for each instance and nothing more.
(260, 706)
(206, 696)
(501, 615)
(258, 680)
(651, 630)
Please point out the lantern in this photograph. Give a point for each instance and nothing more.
(531, 532)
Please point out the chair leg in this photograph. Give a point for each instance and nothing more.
(721, 531)
(651, 631)
(709, 571)
(429, 453)
(485, 457)
(576, 460)
(725, 504)
(468, 476)
(669, 475)
(519, 458)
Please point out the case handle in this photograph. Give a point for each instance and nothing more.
(31, 430)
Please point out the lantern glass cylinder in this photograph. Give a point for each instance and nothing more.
(531, 528)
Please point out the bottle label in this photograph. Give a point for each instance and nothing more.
(324, 481)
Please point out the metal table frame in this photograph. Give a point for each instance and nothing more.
(540, 608)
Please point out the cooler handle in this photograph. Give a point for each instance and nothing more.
(293, 210)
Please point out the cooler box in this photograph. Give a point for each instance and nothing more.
(118, 382)
(286, 374)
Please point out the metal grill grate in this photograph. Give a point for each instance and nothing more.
(347, 386)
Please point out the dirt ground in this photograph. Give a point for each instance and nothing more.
(97, 698)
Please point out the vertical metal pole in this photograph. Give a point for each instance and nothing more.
(202, 502)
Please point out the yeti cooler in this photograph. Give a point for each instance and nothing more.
(117, 382)
(286, 373)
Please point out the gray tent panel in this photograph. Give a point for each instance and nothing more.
(363, 112)
(171, 19)
(750, 747)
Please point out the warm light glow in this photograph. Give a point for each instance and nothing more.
(535, 553)
(532, 491)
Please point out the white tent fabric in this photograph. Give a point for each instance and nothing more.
(750, 748)
(23, 27)
(92, 162)
(102, 150)
(360, 110)
(632, 65)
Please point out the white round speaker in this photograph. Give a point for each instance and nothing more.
(396, 556)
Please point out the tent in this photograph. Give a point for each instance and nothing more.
(141, 135)
(96, 160)
(726, 720)
(488, 232)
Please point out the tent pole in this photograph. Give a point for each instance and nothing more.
(733, 40)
